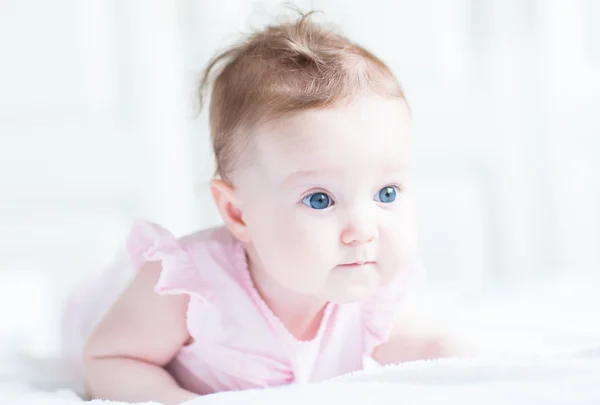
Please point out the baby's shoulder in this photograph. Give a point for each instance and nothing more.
(190, 262)
(150, 241)
(213, 238)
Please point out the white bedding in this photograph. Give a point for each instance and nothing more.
(573, 380)
(561, 318)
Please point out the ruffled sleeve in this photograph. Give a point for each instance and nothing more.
(148, 242)
(380, 310)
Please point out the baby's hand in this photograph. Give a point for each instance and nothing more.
(416, 335)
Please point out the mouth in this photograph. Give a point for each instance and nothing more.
(356, 264)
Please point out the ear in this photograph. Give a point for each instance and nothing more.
(228, 205)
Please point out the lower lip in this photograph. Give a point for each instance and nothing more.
(355, 265)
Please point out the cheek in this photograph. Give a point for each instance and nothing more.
(309, 239)
(398, 234)
(295, 250)
(286, 235)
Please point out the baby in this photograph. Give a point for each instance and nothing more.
(312, 274)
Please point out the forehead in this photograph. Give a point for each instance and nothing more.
(369, 131)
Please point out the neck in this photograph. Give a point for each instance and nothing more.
(300, 313)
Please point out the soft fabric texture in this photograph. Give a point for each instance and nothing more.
(543, 380)
(238, 343)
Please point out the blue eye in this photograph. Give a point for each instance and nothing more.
(318, 201)
(386, 195)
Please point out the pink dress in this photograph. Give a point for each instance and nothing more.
(238, 343)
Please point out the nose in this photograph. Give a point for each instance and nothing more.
(360, 229)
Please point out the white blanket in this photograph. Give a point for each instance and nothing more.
(560, 317)
(573, 380)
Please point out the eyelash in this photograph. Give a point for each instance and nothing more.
(396, 186)
(399, 190)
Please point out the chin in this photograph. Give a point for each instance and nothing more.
(348, 286)
(351, 294)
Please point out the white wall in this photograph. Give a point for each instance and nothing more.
(96, 128)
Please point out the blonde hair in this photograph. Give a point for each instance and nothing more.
(282, 69)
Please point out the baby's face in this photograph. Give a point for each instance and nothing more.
(328, 200)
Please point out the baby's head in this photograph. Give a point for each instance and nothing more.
(311, 134)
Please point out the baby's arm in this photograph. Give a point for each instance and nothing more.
(140, 334)
(417, 335)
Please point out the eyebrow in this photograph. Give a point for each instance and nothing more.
(302, 174)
